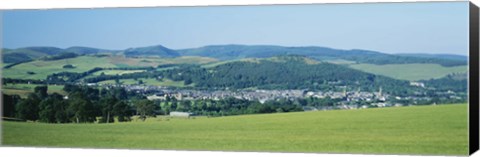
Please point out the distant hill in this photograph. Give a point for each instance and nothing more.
(28, 53)
(227, 52)
(158, 50)
(87, 50)
(233, 52)
(32, 53)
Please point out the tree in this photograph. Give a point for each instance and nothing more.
(188, 81)
(69, 88)
(120, 93)
(81, 109)
(28, 109)
(41, 91)
(60, 107)
(46, 110)
(122, 110)
(107, 104)
(145, 108)
(9, 102)
(52, 109)
(184, 105)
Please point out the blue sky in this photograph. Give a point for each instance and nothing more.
(440, 27)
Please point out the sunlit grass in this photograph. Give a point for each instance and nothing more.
(440, 129)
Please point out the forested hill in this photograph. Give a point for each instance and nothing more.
(289, 72)
(227, 52)
(158, 51)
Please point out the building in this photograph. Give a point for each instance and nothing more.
(180, 114)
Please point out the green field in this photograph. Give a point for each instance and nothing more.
(44, 68)
(84, 63)
(411, 72)
(24, 89)
(121, 61)
(150, 81)
(429, 130)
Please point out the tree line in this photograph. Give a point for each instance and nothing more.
(86, 105)
(82, 105)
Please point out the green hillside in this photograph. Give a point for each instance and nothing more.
(229, 52)
(157, 50)
(410, 72)
(24, 89)
(283, 72)
(28, 53)
(427, 130)
(42, 68)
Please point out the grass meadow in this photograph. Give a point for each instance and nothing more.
(44, 68)
(428, 130)
(24, 89)
(84, 63)
(411, 72)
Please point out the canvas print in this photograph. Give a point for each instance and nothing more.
(371, 78)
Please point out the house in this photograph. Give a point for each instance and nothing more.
(156, 97)
(418, 84)
(180, 114)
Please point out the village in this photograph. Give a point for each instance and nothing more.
(347, 99)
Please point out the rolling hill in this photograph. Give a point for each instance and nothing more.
(158, 51)
(228, 52)
(232, 52)
(33, 53)
(28, 53)
(43, 68)
(283, 72)
(88, 50)
(410, 67)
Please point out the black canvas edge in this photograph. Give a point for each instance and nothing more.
(473, 79)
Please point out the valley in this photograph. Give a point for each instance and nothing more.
(235, 98)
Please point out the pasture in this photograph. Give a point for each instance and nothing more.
(43, 68)
(428, 130)
(121, 61)
(411, 72)
(24, 89)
